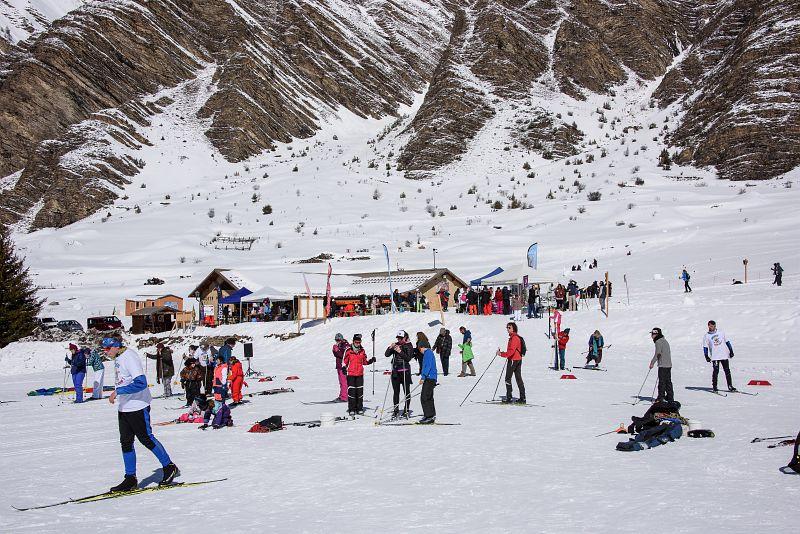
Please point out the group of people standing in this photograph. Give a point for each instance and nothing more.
(351, 359)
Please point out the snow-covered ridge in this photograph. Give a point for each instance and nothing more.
(19, 19)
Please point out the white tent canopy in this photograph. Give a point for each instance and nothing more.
(267, 292)
(515, 275)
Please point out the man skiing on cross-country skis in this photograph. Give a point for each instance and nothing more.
(133, 414)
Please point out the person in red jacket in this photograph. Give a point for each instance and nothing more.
(513, 354)
(355, 358)
(236, 378)
(563, 339)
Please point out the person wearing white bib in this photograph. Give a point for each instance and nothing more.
(718, 351)
(134, 414)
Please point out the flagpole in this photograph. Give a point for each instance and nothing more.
(389, 272)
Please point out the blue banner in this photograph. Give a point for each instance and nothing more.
(533, 256)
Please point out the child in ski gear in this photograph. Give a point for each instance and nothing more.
(662, 357)
(513, 354)
(340, 346)
(165, 368)
(220, 382)
(77, 368)
(226, 350)
(466, 352)
(717, 350)
(205, 358)
(777, 271)
(686, 277)
(191, 378)
(563, 339)
(96, 362)
(236, 377)
(444, 346)
(428, 382)
(401, 352)
(421, 338)
(596, 345)
(134, 413)
(221, 417)
(355, 358)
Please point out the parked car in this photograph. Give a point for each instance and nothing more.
(107, 322)
(70, 325)
(46, 323)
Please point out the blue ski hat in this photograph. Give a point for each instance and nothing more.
(109, 342)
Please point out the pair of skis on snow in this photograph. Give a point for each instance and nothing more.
(114, 495)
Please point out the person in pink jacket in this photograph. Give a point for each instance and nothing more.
(340, 347)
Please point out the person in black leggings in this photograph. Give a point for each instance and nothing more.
(401, 352)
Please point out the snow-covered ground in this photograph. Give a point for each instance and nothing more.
(536, 469)
(505, 468)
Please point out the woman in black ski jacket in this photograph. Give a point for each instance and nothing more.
(401, 352)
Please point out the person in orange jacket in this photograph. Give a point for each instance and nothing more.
(563, 339)
(355, 358)
(513, 354)
(236, 379)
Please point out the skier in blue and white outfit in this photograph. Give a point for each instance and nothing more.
(717, 350)
(134, 413)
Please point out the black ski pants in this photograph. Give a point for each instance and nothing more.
(399, 379)
(715, 372)
(192, 391)
(665, 384)
(445, 358)
(355, 393)
(426, 397)
(686, 288)
(514, 368)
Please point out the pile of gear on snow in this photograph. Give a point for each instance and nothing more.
(662, 423)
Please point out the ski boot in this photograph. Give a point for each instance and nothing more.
(427, 420)
(128, 483)
(732, 389)
(520, 401)
(169, 472)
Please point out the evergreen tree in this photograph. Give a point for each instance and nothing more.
(19, 304)
(664, 161)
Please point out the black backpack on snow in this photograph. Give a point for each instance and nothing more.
(523, 349)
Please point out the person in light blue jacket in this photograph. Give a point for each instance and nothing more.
(428, 377)
(596, 345)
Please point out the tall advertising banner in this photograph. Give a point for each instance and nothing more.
(533, 256)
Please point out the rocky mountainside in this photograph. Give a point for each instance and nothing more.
(75, 99)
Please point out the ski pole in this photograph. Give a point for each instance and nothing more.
(638, 395)
(478, 381)
(494, 395)
(373, 361)
(619, 430)
(385, 395)
(410, 396)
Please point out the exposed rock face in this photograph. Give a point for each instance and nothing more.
(280, 64)
(598, 40)
(548, 136)
(740, 89)
(76, 96)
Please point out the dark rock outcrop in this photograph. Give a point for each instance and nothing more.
(739, 87)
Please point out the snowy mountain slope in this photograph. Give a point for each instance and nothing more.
(282, 70)
(19, 19)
